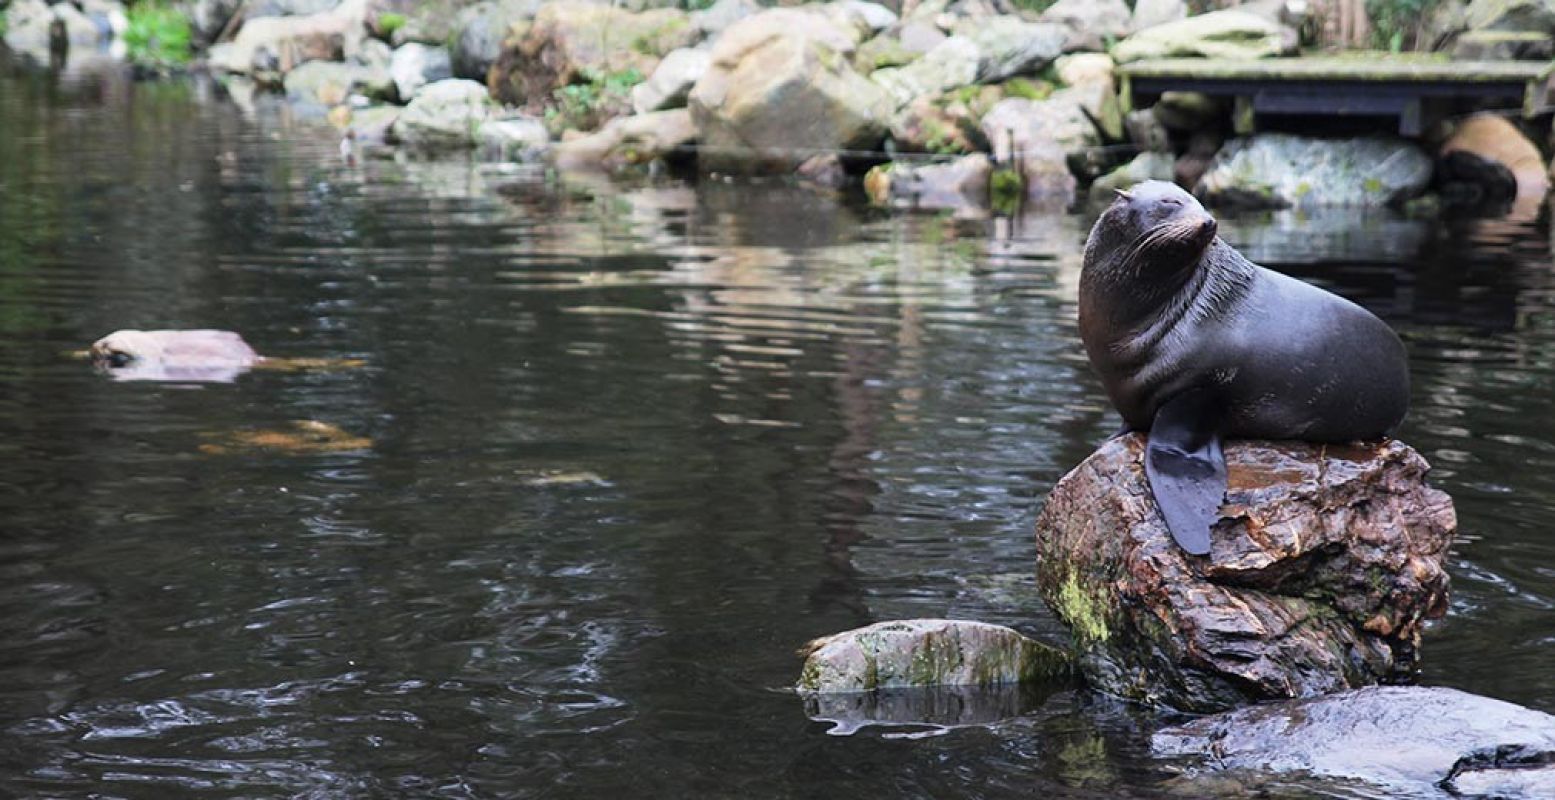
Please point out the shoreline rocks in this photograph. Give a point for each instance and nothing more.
(1325, 564)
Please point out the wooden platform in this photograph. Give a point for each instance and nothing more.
(1408, 87)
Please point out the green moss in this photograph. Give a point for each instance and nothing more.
(1373, 185)
(1006, 188)
(1086, 619)
(810, 675)
(1028, 89)
(1303, 189)
(389, 22)
(587, 104)
(157, 35)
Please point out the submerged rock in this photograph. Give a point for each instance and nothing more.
(1324, 565)
(1280, 170)
(1231, 33)
(514, 138)
(1403, 741)
(299, 437)
(919, 653)
(202, 355)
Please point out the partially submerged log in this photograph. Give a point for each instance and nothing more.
(1324, 565)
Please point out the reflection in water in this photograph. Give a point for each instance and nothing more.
(630, 446)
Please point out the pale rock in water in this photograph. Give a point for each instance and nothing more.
(514, 138)
(921, 653)
(629, 141)
(1401, 741)
(1282, 170)
(954, 185)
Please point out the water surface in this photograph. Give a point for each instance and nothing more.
(631, 446)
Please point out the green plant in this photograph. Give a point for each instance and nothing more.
(157, 34)
(1396, 24)
(585, 105)
(389, 22)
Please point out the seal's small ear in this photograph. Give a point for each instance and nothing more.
(1124, 195)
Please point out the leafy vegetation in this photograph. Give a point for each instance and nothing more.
(1396, 24)
(158, 34)
(588, 104)
(389, 22)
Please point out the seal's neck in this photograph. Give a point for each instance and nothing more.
(1145, 300)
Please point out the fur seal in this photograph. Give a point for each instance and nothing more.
(1194, 343)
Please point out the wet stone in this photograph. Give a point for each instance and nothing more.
(920, 653)
(1324, 566)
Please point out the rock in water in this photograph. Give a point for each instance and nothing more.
(1324, 564)
(1406, 741)
(210, 356)
(920, 653)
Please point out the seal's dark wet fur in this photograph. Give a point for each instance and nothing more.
(1194, 342)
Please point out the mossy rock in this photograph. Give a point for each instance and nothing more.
(923, 653)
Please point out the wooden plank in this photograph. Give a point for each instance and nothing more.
(1349, 68)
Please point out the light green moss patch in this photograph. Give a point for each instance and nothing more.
(1084, 616)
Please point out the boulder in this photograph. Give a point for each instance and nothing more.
(1150, 13)
(207, 18)
(1085, 69)
(1325, 563)
(779, 89)
(445, 115)
(277, 44)
(513, 138)
(28, 26)
(954, 63)
(415, 65)
(717, 17)
(1069, 118)
(1141, 128)
(1232, 34)
(480, 30)
(882, 52)
(943, 124)
(1008, 45)
(330, 83)
(1490, 141)
(572, 43)
(109, 16)
(826, 170)
(922, 653)
(953, 185)
(369, 126)
(1510, 15)
(869, 18)
(1396, 741)
(1147, 166)
(78, 29)
(430, 22)
(1092, 19)
(1281, 170)
(671, 81)
(629, 141)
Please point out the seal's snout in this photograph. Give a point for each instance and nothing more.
(1208, 227)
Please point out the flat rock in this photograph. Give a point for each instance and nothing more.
(1231, 33)
(1402, 741)
(1325, 563)
(629, 141)
(1281, 171)
(920, 653)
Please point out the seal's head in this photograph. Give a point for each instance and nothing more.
(1152, 228)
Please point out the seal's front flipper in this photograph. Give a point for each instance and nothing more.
(1186, 468)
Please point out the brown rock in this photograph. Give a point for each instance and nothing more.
(1323, 567)
(1494, 139)
(581, 43)
(629, 141)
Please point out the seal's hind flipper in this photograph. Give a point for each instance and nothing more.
(1186, 468)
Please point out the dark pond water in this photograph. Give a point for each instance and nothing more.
(630, 447)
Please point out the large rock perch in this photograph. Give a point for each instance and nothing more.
(1324, 564)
